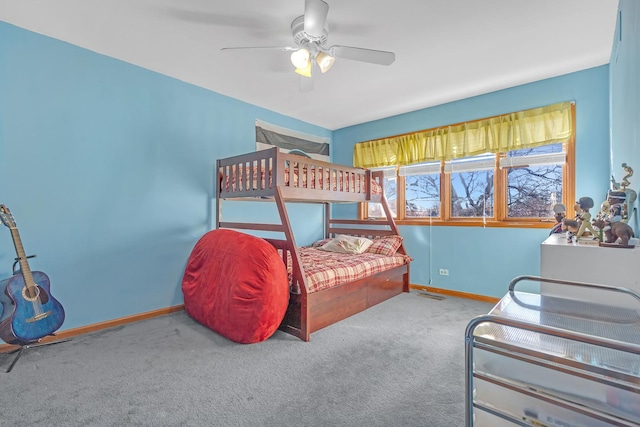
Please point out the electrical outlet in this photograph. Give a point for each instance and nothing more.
(444, 272)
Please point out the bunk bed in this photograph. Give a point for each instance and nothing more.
(272, 175)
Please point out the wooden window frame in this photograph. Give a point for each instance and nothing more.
(500, 218)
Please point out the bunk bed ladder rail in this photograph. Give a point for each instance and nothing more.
(300, 326)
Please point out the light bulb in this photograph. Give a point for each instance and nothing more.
(300, 58)
(325, 61)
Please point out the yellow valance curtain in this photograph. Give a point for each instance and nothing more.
(523, 129)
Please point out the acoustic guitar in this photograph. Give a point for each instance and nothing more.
(30, 311)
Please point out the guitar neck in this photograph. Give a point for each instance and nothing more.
(22, 258)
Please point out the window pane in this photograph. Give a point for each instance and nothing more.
(472, 194)
(533, 190)
(422, 195)
(390, 192)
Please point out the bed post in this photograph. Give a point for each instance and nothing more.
(305, 330)
(370, 177)
(378, 176)
(327, 219)
(391, 221)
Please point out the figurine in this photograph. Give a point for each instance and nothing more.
(559, 209)
(582, 207)
(621, 194)
(615, 232)
(617, 201)
(605, 211)
(570, 227)
(625, 179)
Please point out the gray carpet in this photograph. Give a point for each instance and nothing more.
(400, 363)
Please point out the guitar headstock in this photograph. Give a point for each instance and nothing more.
(7, 218)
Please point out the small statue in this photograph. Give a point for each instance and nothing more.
(605, 211)
(625, 179)
(583, 216)
(617, 205)
(560, 212)
(624, 195)
(615, 232)
(570, 227)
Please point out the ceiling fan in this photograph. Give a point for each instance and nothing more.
(310, 33)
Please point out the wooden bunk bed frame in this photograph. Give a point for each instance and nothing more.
(280, 177)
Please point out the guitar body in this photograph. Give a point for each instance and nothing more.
(30, 312)
(7, 304)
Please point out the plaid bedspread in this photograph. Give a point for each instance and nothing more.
(327, 269)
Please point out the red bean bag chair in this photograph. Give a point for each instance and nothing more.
(236, 285)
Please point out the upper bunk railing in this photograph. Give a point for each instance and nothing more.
(299, 178)
(266, 174)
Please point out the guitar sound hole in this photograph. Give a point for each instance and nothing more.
(32, 293)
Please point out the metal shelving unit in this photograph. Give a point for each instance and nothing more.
(539, 360)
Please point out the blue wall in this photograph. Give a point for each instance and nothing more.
(108, 170)
(625, 96)
(484, 260)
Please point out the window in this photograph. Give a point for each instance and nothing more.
(502, 188)
(472, 186)
(421, 190)
(534, 181)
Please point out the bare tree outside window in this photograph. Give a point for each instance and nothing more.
(529, 181)
(422, 196)
(472, 194)
(532, 190)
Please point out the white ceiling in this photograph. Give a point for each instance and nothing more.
(445, 49)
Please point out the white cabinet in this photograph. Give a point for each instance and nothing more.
(592, 264)
(540, 360)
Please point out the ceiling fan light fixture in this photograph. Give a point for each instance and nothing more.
(325, 61)
(301, 58)
(310, 52)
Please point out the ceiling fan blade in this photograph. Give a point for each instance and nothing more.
(283, 48)
(315, 17)
(380, 57)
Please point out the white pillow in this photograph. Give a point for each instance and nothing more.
(345, 244)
